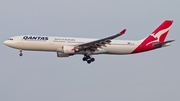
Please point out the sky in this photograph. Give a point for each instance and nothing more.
(41, 76)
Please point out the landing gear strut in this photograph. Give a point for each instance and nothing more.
(20, 54)
(88, 58)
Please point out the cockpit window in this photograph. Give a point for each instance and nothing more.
(11, 39)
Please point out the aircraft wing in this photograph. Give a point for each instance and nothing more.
(93, 45)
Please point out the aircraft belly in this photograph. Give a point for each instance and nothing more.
(120, 49)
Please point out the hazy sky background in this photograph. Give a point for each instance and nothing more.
(41, 76)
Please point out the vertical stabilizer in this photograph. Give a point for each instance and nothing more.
(157, 36)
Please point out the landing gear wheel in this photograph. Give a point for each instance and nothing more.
(84, 59)
(88, 58)
(88, 61)
(21, 54)
(92, 59)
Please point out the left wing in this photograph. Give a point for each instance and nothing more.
(93, 45)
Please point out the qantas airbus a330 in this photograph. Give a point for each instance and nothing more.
(65, 46)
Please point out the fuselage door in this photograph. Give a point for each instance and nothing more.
(20, 40)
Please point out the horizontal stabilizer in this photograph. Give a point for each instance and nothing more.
(166, 43)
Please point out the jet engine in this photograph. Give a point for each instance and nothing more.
(68, 49)
(59, 54)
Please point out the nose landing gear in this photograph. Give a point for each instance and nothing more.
(20, 54)
(88, 58)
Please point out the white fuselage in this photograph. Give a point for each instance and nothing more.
(66, 46)
(55, 44)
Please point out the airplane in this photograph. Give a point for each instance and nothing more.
(69, 46)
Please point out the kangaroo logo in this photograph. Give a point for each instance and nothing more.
(158, 35)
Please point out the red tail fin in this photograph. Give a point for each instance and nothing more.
(161, 32)
(157, 35)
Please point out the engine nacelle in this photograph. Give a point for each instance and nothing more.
(59, 54)
(68, 49)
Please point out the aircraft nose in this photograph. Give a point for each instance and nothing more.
(6, 42)
(10, 43)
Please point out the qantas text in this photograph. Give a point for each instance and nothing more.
(35, 38)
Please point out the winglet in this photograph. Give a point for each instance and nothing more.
(123, 31)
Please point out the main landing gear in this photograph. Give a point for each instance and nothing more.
(88, 58)
(20, 54)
